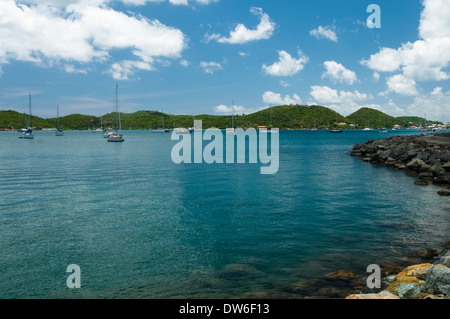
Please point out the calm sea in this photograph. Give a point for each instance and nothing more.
(140, 226)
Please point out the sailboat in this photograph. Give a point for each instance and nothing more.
(161, 130)
(336, 130)
(28, 134)
(231, 130)
(114, 135)
(180, 130)
(270, 126)
(58, 131)
(368, 125)
(101, 127)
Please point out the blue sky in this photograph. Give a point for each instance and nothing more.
(198, 56)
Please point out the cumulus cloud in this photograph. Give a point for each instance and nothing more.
(234, 109)
(338, 73)
(344, 102)
(430, 105)
(241, 34)
(210, 67)
(402, 85)
(325, 94)
(286, 65)
(83, 32)
(276, 98)
(423, 60)
(174, 2)
(185, 63)
(327, 32)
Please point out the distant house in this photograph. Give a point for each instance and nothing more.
(396, 127)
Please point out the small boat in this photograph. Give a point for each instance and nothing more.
(230, 131)
(113, 135)
(367, 129)
(106, 132)
(384, 131)
(101, 127)
(181, 130)
(28, 134)
(335, 131)
(160, 130)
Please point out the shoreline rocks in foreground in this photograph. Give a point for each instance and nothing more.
(424, 156)
(430, 280)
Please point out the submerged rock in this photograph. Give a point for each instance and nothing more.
(444, 192)
(427, 253)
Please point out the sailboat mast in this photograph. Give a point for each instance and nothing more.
(57, 116)
(232, 115)
(31, 118)
(270, 115)
(117, 108)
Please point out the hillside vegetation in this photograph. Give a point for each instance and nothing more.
(285, 116)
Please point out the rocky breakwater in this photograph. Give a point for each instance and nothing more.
(429, 280)
(425, 156)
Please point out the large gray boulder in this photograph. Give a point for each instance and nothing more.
(438, 281)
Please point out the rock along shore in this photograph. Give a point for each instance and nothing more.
(429, 280)
(424, 156)
(428, 158)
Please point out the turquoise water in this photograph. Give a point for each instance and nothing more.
(140, 226)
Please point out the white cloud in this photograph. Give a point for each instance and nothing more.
(287, 65)
(425, 59)
(122, 70)
(376, 76)
(338, 73)
(241, 34)
(402, 85)
(387, 60)
(185, 63)
(210, 67)
(343, 102)
(235, 109)
(431, 105)
(327, 32)
(284, 83)
(71, 69)
(82, 32)
(327, 95)
(275, 98)
(174, 2)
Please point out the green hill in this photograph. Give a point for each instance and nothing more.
(14, 120)
(293, 116)
(284, 116)
(407, 121)
(366, 117)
